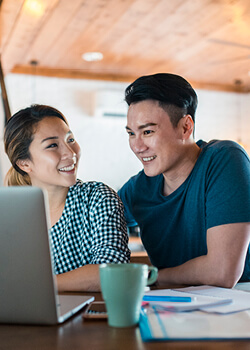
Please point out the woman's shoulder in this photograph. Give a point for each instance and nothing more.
(93, 189)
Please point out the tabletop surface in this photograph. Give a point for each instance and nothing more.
(77, 333)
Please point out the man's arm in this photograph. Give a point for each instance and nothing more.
(222, 266)
(85, 278)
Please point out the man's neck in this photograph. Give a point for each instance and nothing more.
(174, 179)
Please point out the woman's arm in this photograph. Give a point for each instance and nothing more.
(106, 241)
(109, 237)
(85, 278)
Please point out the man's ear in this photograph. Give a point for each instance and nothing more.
(24, 165)
(187, 126)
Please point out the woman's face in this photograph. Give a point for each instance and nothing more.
(54, 155)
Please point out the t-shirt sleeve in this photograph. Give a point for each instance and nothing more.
(228, 188)
(109, 233)
(126, 194)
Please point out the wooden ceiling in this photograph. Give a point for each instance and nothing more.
(206, 41)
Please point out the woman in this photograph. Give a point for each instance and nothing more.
(87, 222)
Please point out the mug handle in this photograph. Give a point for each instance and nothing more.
(153, 275)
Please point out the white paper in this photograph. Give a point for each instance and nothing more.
(240, 299)
(198, 301)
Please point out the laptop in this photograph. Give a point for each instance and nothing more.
(28, 293)
(1, 172)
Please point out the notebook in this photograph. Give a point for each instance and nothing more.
(28, 293)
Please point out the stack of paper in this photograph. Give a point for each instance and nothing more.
(178, 318)
(206, 298)
(160, 300)
(240, 299)
(194, 326)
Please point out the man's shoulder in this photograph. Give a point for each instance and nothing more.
(221, 148)
(218, 144)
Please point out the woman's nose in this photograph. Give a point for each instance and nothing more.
(68, 152)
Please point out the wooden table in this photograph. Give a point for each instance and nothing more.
(77, 334)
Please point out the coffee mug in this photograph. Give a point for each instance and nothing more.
(123, 287)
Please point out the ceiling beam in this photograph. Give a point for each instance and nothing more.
(81, 74)
(71, 73)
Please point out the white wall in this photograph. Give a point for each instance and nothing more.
(223, 115)
(105, 152)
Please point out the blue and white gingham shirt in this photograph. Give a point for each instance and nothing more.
(91, 230)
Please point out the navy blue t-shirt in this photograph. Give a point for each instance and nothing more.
(173, 228)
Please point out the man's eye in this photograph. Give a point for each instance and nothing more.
(71, 139)
(147, 132)
(130, 133)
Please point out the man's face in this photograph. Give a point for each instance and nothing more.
(153, 139)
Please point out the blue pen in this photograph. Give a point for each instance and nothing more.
(167, 298)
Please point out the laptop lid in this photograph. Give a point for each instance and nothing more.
(1, 172)
(28, 292)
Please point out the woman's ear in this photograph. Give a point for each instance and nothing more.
(24, 165)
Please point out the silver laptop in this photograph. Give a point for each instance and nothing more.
(28, 293)
(1, 172)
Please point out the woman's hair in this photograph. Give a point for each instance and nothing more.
(18, 135)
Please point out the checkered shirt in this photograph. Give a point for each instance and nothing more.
(91, 230)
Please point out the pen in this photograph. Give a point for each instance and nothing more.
(167, 298)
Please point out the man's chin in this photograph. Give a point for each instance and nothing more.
(151, 173)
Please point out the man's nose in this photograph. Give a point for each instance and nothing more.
(138, 145)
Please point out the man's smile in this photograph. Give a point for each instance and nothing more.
(147, 159)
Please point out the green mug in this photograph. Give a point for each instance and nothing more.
(123, 287)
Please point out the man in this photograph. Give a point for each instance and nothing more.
(192, 200)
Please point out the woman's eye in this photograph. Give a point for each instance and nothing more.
(53, 145)
(71, 139)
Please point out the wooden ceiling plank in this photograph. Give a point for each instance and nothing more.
(105, 33)
(220, 60)
(201, 55)
(129, 28)
(198, 31)
(228, 31)
(76, 25)
(136, 37)
(91, 39)
(23, 33)
(148, 33)
(180, 35)
(10, 10)
(166, 31)
(52, 29)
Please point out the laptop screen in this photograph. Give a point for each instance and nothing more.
(28, 292)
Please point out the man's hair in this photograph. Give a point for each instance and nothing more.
(174, 94)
